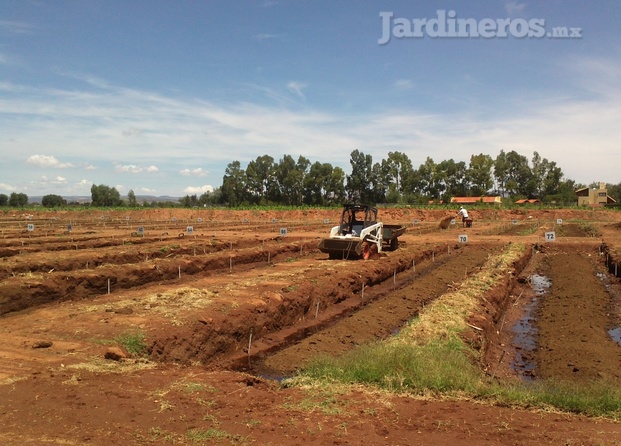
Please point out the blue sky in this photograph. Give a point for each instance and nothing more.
(159, 96)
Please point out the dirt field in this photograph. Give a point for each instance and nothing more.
(231, 302)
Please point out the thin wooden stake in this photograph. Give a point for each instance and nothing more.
(108, 286)
(317, 310)
(362, 293)
(180, 272)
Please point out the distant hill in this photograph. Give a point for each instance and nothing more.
(87, 198)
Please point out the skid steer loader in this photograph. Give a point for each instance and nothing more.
(360, 235)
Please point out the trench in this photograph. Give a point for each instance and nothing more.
(570, 323)
(386, 307)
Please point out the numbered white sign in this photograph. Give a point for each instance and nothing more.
(273, 220)
(190, 229)
(141, 230)
(30, 227)
(126, 218)
(245, 220)
(174, 219)
(200, 220)
(283, 231)
(515, 222)
(550, 236)
(326, 221)
(415, 221)
(69, 228)
(453, 221)
(462, 238)
(559, 221)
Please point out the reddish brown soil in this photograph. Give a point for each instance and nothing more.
(235, 283)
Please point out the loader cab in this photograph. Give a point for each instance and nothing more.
(356, 217)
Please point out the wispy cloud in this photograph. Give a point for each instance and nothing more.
(297, 88)
(87, 127)
(47, 161)
(198, 172)
(266, 36)
(7, 187)
(132, 168)
(15, 27)
(514, 8)
(403, 84)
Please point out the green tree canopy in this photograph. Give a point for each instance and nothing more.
(106, 196)
(18, 199)
(51, 200)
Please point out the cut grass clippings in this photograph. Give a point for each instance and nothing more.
(428, 356)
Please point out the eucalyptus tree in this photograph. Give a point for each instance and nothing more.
(479, 174)
(360, 183)
(546, 176)
(261, 181)
(453, 175)
(131, 199)
(290, 176)
(233, 190)
(397, 170)
(520, 176)
(430, 179)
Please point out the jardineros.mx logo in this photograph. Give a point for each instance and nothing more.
(446, 24)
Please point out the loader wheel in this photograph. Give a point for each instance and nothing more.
(369, 250)
(394, 244)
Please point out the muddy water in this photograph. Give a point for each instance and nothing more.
(392, 307)
(525, 331)
(574, 319)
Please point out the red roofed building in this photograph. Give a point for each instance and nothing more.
(475, 200)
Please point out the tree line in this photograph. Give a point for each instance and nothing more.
(394, 180)
(391, 180)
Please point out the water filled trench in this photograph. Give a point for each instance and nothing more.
(525, 330)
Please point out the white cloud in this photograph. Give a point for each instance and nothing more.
(146, 190)
(177, 132)
(198, 190)
(47, 161)
(59, 180)
(132, 168)
(7, 187)
(297, 88)
(198, 172)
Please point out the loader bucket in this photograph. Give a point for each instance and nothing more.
(342, 248)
